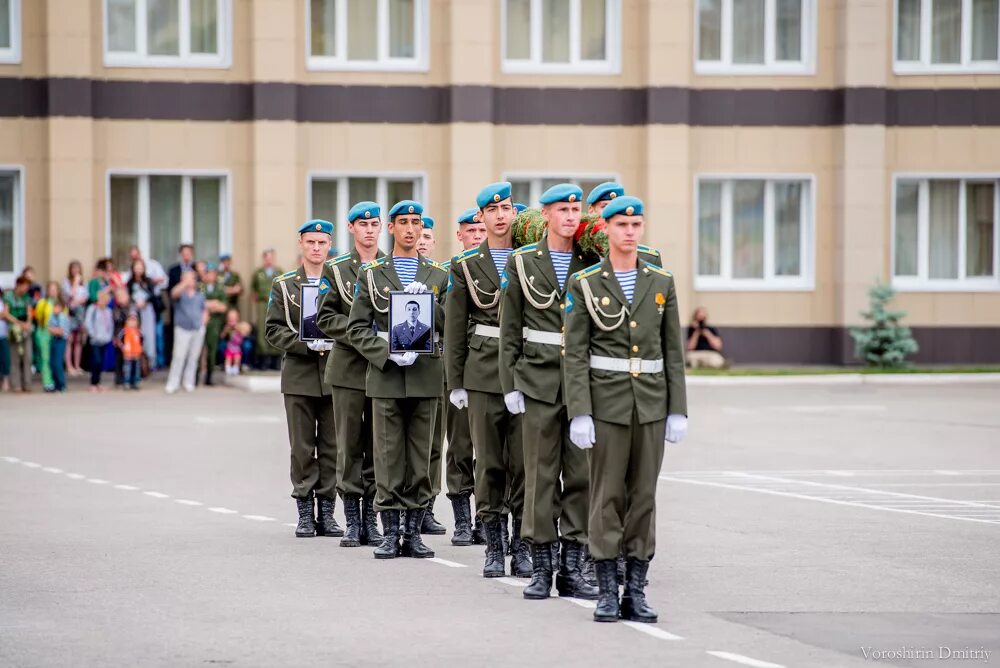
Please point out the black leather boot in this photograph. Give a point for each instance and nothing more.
(370, 534)
(429, 525)
(541, 573)
(327, 524)
(478, 533)
(620, 563)
(607, 609)
(634, 606)
(570, 580)
(494, 566)
(587, 567)
(505, 533)
(413, 544)
(352, 514)
(520, 560)
(389, 547)
(306, 528)
(460, 506)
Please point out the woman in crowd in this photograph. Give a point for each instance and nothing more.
(140, 289)
(74, 293)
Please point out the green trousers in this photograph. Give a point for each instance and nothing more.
(437, 448)
(313, 444)
(404, 430)
(459, 461)
(212, 332)
(552, 509)
(43, 345)
(624, 469)
(352, 412)
(497, 438)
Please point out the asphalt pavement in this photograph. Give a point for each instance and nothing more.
(812, 525)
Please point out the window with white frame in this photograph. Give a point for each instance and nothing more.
(528, 189)
(331, 197)
(167, 33)
(562, 36)
(158, 212)
(754, 233)
(945, 233)
(11, 226)
(10, 31)
(367, 34)
(755, 36)
(945, 36)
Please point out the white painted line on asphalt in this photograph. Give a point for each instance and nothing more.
(98, 481)
(236, 419)
(259, 518)
(291, 524)
(127, 488)
(12, 460)
(840, 474)
(31, 465)
(223, 511)
(52, 469)
(821, 499)
(157, 495)
(445, 562)
(947, 472)
(823, 472)
(188, 502)
(513, 582)
(75, 476)
(590, 605)
(938, 484)
(745, 660)
(826, 408)
(651, 630)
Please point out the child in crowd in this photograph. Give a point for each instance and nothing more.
(100, 326)
(129, 344)
(43, 311)
(234, 348)
(60, 328)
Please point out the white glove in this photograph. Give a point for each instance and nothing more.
(403, 359)
(677, 428)
(415, 288)
(459, 398)
(319, 345)
(515, 402)
(581, 432)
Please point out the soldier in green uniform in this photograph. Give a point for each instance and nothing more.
(345, 372)
(606, 193)
(459, 458)
(215, 303)
(531, 378)
(308, 408)
(260, 285)
(625, 393)
(405, 387)
(230, 280)
(472, 363)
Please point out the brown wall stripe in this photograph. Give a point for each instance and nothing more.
(167, 100)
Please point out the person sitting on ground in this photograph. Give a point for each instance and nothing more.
(704, 345)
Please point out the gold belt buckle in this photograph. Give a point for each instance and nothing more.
(635, 365)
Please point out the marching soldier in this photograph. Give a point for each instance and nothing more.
(260, 285)
(625, 394)
(307, 398)
(605, 193)
(459, 459)
(230, 280)
(405, 387)
(215, 302)
(531, 378)
(472, 341)
(345, 373)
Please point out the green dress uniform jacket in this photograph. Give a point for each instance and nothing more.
(229, 279)
(260, 286)
(302, 370)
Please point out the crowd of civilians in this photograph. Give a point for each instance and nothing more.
(131, 323)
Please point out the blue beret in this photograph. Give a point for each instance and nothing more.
(428, 222)
(404, 207)
(563, 192)
(224, 257)
(492, 194)
(606, 190)
(211, 266)
(363, 210)
(317, 226)
(468, 216)
(520, 207)
(629, 206)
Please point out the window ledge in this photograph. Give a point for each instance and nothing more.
(176, 62)
(595, 68)
(320, 64)
(714, 284)
(912, 69)
(776, 70)
(10, 57)
(956, 285)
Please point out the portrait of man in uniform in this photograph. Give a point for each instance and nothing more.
(410, 322)
(308, 329)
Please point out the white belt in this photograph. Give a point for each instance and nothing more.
(538, 336)
(633, 365)
(487, 330)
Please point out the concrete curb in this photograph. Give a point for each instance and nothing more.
(848, 379)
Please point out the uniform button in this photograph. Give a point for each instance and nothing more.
(635, 349)
(633, 324)
(321, 353)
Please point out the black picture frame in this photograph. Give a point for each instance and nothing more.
(308, 310)
(400, 339)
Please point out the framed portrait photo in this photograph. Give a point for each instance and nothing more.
(411, 322)
(308, 329)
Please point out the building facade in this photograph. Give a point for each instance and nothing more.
(790, 152)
